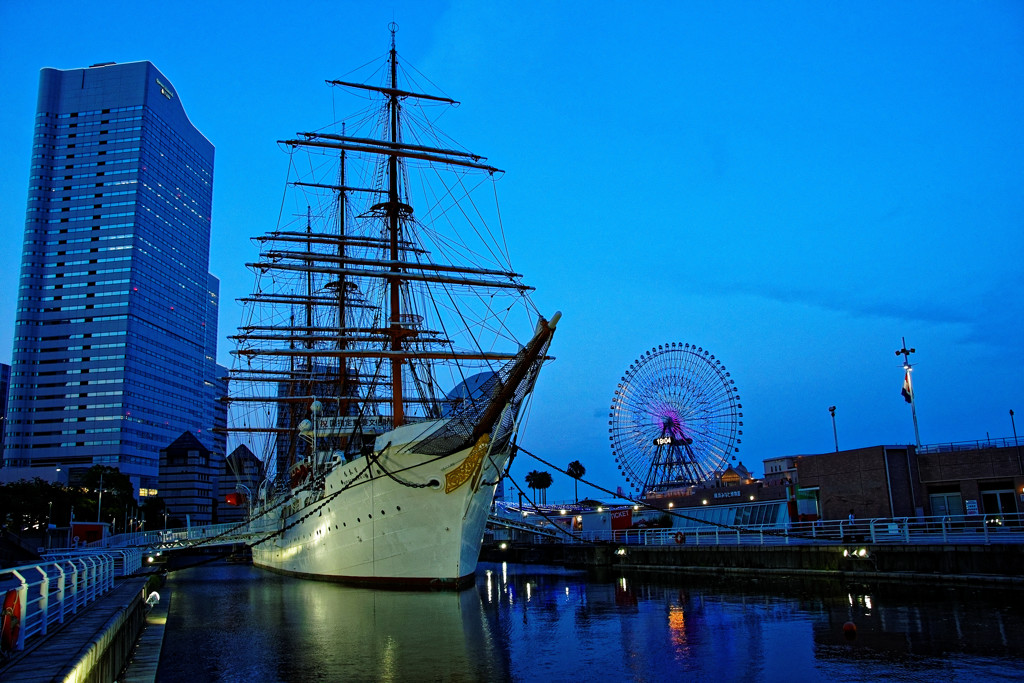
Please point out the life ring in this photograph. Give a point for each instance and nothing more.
(10, 621)
(679, 538)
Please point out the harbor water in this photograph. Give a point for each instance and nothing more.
(232, 622)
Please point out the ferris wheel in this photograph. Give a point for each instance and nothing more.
(675, 419)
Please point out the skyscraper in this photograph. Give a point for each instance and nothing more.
(115, 340)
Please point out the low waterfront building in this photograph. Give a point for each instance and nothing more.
(879, 481)
(972, 478)
(956, 480)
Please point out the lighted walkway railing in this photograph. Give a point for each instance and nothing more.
(51, 591)
(169, 538)
(955, 530)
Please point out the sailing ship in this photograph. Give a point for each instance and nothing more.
(377, 369)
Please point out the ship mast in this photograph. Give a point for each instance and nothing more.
(394, 338)
(394, 281)
(342, 283)
(341, 343)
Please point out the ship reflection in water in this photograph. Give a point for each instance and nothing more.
(524, 623)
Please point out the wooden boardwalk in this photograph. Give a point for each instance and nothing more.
(69, 651)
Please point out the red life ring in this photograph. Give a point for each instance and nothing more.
(10, 621)
(680, 538)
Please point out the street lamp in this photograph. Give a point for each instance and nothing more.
(248, 498)
(835, 435)
(99, 502)
(1015, 442)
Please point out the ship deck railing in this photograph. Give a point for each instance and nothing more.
(941, 530)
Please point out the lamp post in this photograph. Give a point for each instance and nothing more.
(908, 387)
(248, 499)
(1015, 442)
(99, 502)
(835, 435)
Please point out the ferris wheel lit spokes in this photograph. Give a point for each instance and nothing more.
(675, 419)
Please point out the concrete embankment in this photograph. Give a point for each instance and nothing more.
(995, 564)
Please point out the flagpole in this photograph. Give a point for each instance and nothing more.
(908, 386)
(913, 411)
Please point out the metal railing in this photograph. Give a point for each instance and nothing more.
(976, 445)
(65, 582)
(950, 529)
(169, 538)
(947, 530)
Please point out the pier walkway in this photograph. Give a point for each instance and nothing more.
(86, 643)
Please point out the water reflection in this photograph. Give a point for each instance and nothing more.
(236, 623)
(528, 623)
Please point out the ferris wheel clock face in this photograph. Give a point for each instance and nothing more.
(675, 420)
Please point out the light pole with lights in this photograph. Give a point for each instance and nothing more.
(1015, 442)
(908, 386)
(835, 435)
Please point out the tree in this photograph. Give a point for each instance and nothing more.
(576, 470)
(118, 494)
(153, 509)
(29, 505)
(539, 481)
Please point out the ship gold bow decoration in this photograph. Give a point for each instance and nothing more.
(468, 468)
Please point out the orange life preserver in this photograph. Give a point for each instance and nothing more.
(680, 538)
(10, 621)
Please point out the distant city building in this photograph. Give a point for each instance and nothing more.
(188, 480)
(5, 385)
(239, 484)
(780, 469)
(115, 340)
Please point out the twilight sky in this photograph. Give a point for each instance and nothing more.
(792, 185)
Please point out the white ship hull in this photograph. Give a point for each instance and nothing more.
(401, 520)
(381, 363)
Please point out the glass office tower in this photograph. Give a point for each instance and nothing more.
(115, 341)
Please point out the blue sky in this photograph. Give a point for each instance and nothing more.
(793, 185)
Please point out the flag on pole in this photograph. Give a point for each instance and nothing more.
(908, 389)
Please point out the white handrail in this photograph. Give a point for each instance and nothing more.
(938, 530)
(63, 583)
